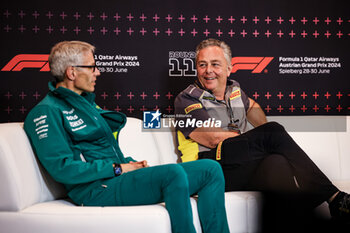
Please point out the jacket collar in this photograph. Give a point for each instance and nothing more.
(66, 93)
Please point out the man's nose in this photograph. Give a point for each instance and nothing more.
(209, 69)
(97, 72)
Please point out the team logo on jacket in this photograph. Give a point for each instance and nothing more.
(151, 119)
(193, 107)
(235, 94)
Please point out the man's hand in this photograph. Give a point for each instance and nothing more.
(132, 166)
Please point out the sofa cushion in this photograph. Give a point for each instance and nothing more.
(243, 211)
(63, 216)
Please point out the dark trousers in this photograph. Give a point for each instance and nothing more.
(266, 158)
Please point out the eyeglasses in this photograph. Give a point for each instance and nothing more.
(94, 67)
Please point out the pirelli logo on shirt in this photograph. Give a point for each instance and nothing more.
(193, 107)
(235, 94)
(218, 151)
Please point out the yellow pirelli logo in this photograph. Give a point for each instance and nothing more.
(218, 151)
(193, 107)
(235, 94)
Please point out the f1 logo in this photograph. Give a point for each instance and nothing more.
(256, 64)
(21, 61)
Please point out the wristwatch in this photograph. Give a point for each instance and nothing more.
(117, 169)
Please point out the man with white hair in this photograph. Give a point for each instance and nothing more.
(77, 143)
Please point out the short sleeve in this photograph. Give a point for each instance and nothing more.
(187, 110)
(245, 100)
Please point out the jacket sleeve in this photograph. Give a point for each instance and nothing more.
(51, 143)
(116, 122)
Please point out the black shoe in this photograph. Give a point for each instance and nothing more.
(340, 207)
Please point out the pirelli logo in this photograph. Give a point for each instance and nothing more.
(22, 61)
(256, 64)
(235, 94)
(218, 151)
(193, 107)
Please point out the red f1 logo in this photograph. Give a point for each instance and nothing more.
(257, 64)
(28, 61)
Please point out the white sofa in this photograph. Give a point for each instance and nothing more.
(30, 201)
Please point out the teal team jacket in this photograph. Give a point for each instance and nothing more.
(75, 140)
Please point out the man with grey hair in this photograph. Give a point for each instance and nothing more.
(77, 143)
(66, 54)
(265, 158)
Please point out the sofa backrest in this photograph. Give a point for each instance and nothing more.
(157, 147)
(23, 181)
(326, 140)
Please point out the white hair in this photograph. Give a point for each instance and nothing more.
(65, 54)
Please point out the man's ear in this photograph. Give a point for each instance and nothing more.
(70, 73)
(229, 67)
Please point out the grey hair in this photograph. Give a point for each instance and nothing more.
(65, 54)
(214, 42)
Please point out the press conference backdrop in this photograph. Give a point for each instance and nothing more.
(290, 56)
